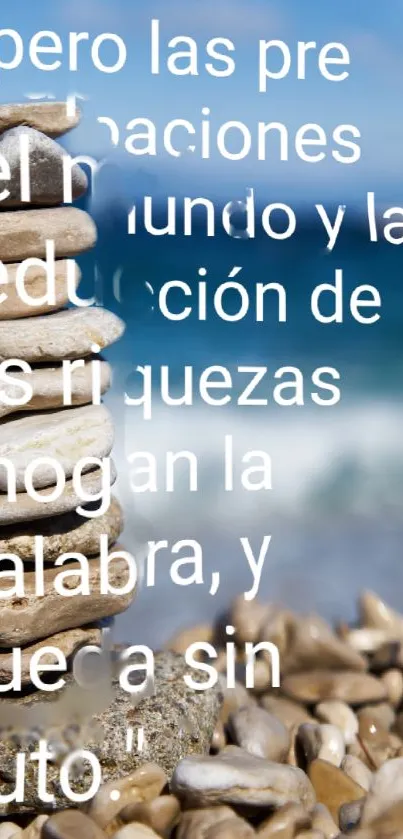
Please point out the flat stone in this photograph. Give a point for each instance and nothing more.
(23, 233)
(46, 171)
(34, 830)
(70, 824)
(290, 713)
(10, 830)
(389, 824)
(316, 686)
(70, 334)
(323, 821)
(248, 617)
(135, 831)
(50, 117)
(332, 786)
(196, 824)
(47, 385)
(67, 642)
(65, 436)
(63, 534)
(376, 614)
(24, 620)
(28, 509)
(236, 777)
(102, 721)
(36, 287)
(321, 741)
(340, 714)
(357, 770)
(314, 645)
(260, 733)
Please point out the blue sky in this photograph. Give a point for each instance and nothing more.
(370, 98)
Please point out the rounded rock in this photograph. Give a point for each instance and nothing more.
(161, 814)
(332, 786)
(24, 233)
(316, 686)
(142, 785)
(260, 733)
(36, 289)
(341, 715)
(357, 770)
(52, 118)
(70, 824)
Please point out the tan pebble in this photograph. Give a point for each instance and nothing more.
(367, 640)
(321, 741)
(340, 714)
(181, 642)
(135, 831)
(144, 784)
(393, 681)
(235, 777)
(47, 388)
(259, 733)
(386, 790)
(35, 829)
(24, 233)
(69, 334)
(323, 821)
(277, 629)
(22, 623)
(375, 613)
(357, 770)
(378, 742)
(381, 715)
(332, 786)
(9, 830)
(195, 824)
(161, 814)
(70, 824)
(247, 617)
(310, 834)
(64, 437)
(314, 645)
(232, 828)
(261, 674)
(219, 739)
(28, 509)
(286, 823)
(289, 712)
(318, 685)
(386, 826)
(53, 118)
(36, 289)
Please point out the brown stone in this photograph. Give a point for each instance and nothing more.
(142, 785)
(332, 786)
(70, 824)
(286, 823)
(315, 686)
(161, 814)
(67, 642)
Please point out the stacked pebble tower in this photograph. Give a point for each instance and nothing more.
(44, 336)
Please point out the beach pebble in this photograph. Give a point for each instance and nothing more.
(219, 738)
(357, 770)
(332, 786)
(367, 640)
(341, 715)
(70, 824)
(24, 620)
(27, 509)
(379, 744)
(375, 613)
(63, 534)
(24, 233)
(314, 645)
(37, 290)
(323, 821)
(286, 823)
(181, 642)
(47, 385)
(315, 686)
(235, 777)
(201, 824)
(67, 642)
(259, 733)
(386, 790)
(161, 814)
(234, 698)
(142, 785)
(64, 437)
(46, 169)
(321, 741)
(53, 118)
(393, 681)
(247, 616)
(69, 334)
